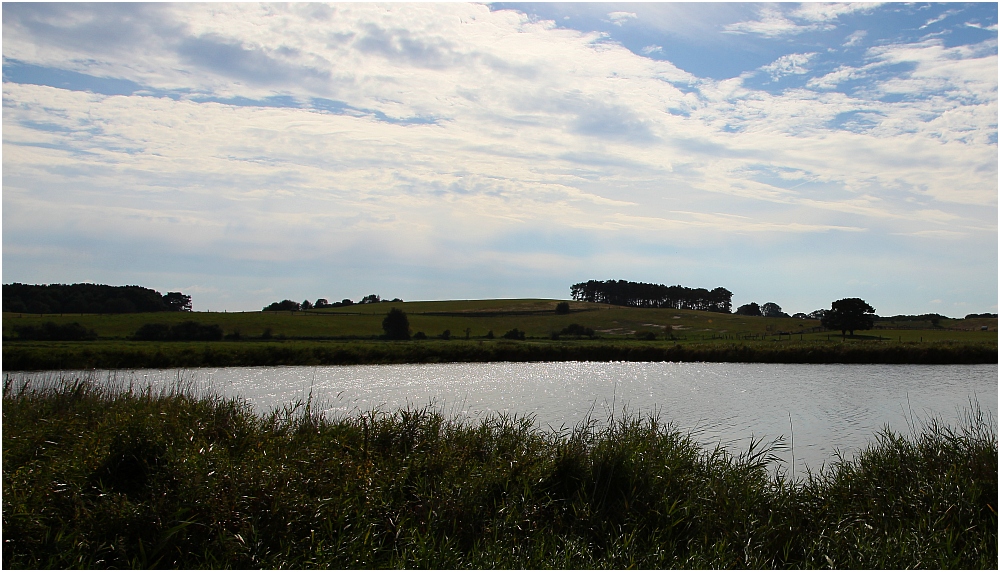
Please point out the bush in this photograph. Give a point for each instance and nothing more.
(420, 336)
(514, 334)
(577, 330)
(396, 325)
(52, 332)
(152, 333)
(646, 336)
(445, 335)
(562, 308)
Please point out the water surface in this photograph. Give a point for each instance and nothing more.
(817, 410)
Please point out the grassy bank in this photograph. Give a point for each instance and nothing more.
(96, 478)
(123, 354)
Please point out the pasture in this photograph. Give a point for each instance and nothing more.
(535, 317)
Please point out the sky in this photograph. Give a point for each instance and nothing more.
(249, 153)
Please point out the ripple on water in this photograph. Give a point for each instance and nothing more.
(824, 407)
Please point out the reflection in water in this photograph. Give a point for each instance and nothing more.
(827, 408)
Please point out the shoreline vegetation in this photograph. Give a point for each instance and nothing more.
(103, 477)
(26, 356)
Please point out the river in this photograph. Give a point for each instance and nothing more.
(816, 410)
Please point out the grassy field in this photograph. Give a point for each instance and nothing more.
(349, 335)
(103, 478)
(535, 317)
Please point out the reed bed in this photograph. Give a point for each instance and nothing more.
(99, 476)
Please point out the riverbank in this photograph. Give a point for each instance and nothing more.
(97, 478)
(131, 355)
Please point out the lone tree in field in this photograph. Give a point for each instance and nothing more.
(848, 315)
(396, 325)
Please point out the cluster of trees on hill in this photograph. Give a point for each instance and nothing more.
(292, 306)
(642, 295)
(90, 299)
(768, 310)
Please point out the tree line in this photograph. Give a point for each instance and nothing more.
(320, 303)
(90, 299)
(643, 295)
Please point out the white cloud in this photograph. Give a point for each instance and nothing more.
(771, 23)
(939, 18)
(991, 27)
(827, 11)
(788, 65)
(651, 49)
(618, 18)
(855, 38)
(536, 130)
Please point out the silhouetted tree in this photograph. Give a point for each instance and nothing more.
(751, 309)
(177, 302)
(848, 315)
(306, 305)
(321, 303)
(371, 299)
(562, 308)
(396, 325)
(445, 335)
(284, 305)
(625, 293)
(772, 310)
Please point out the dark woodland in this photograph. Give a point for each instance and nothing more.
(90, 299)
(642, 295)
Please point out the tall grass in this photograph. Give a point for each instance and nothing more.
(101, 477)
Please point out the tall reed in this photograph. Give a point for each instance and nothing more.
(101, 477)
